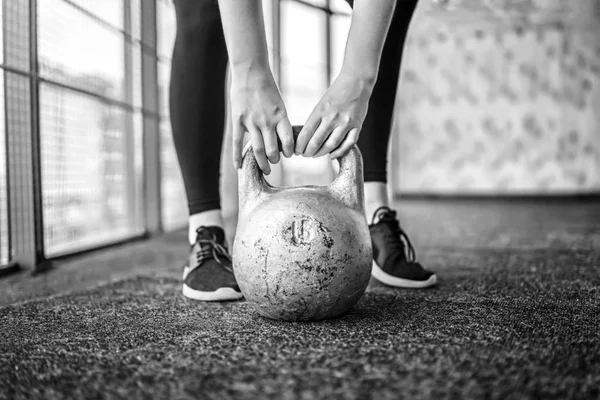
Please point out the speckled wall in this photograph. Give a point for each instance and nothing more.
(500, 96)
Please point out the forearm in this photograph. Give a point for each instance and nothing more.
(244, 30)
(370, 23)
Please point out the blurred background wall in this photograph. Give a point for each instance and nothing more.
(500, 97)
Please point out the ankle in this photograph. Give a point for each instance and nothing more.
(376, 195)
(205, 218)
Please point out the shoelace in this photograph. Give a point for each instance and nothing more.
(210, 247)
(388, 215)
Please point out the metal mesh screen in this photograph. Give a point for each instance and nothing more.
(90, 133)
(2, 35)
(79, 50)
(4, 232)
(340, 26)
(109, 11)
(174, 203)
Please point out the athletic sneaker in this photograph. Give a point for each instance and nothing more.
(209, 273)
(394, 255)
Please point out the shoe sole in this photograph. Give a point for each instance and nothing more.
(392, 280)
(221, 294)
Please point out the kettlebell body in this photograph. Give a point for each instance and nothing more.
(302, 253)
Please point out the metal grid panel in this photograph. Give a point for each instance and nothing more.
(174, 203)
(19, 147)
(109, 11)
(136, 19)
(87, 180)
(1, 34)
(78, 50)
(4, 232)
(166, 28)
(340, 26)
(164, 78)
(136, 77)
(19, 133)
(16, 35)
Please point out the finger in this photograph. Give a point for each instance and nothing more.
(333, 141)
(346, 145)
(317, 140)
(258, 146)
(286, 137)
(238, 135)
(271, 146)
(306, 133)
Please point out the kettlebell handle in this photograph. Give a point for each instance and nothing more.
(347, 187)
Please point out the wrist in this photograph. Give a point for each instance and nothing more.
(365, 77)
(257, 68)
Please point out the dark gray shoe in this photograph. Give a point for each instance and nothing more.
(393, 254)
(208, 276)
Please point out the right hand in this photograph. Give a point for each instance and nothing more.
(257, 108)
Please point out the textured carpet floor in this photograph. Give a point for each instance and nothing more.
(516, 315)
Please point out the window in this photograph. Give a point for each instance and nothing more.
(85, 100)
(90, 145)
(340, 25)
(4, 232)
(304, 79)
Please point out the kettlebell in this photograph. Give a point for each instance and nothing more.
(302, 253)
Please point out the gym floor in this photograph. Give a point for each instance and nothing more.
(516, 314)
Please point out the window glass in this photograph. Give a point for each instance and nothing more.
(303, 58)
(4, 234)
(303, 81)
(166, 27)
(90, 188)
(173, 201)
(110, 11)
(77, 50)
(340, 25)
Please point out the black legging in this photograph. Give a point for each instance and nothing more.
(197, 99)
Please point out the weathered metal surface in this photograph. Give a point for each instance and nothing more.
(302, 253)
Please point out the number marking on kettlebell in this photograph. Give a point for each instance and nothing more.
(304, 231)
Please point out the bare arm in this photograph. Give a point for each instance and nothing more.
(336, 121)
(256, 104)
(370, 23)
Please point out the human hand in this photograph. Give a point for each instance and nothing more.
(257, 108)
(335, 123)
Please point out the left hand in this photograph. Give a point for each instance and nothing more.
(335, 123)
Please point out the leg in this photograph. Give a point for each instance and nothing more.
(197, 106)
(374, 138)
(394, 256)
